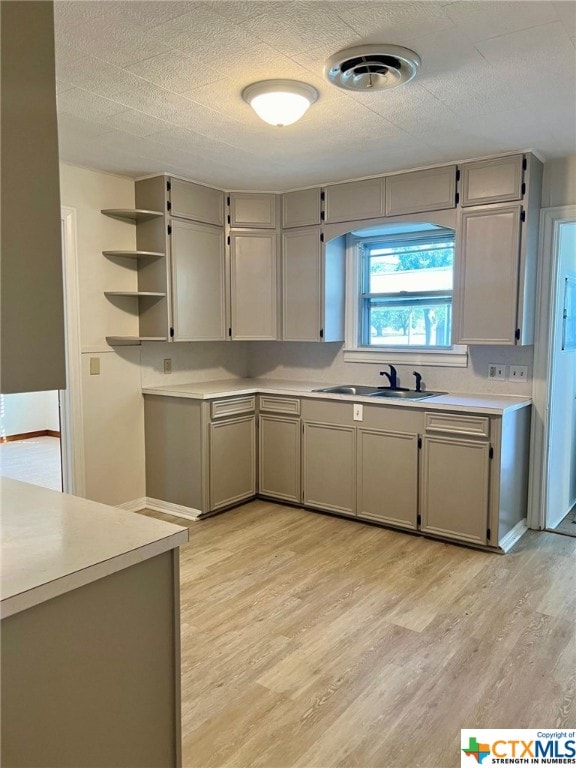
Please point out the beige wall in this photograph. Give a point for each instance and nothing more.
(113, 413)
(29, 412)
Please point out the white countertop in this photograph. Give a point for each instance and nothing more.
(209, 390)
(53, 543)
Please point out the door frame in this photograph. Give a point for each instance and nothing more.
(544, 358)
(71, 412)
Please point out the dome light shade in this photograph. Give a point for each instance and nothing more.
(280, 102)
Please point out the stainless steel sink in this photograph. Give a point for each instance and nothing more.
(364, 391)
(404, 394)
(349, 389)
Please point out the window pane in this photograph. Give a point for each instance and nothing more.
(422, 325)
(415, 267)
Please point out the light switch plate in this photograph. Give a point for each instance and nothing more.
(94, 366)
(358, 412)
(496, 371)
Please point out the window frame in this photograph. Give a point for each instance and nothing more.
(355, 351)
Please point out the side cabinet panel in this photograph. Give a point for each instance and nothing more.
(329, 467)
(455, 488)
(388, 477)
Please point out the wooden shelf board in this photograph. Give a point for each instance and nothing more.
(131, 214)
(134, 293)
(133, 254)
(117, 341)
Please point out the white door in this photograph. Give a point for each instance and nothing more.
(562, 435)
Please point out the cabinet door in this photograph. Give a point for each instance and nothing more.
(387, 474)
(302, 284)
(301, 208)
(355, 200)
(455, 488)
(486, 275)
(232, 461)
(253, 209)
(195, 201)
(430, 190)
(279, 450)
(492, 181)
(329, 477)
(253, 285)
(198, 270)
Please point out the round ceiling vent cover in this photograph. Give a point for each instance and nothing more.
(371, 67)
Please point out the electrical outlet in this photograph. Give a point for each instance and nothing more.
(518, 373)
(496, 371)
(358, 412)
(168, 365)
(94, 366)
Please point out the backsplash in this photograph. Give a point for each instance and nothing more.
(195, 361)
(325, 362)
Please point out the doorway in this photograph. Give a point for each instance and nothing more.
(553, 482)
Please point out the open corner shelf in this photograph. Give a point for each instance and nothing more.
(135, 293)
(134, 254)
(131, 214)
(131, 341)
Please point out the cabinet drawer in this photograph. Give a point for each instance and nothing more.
(233, 406)
(457, 424)
(280, 404)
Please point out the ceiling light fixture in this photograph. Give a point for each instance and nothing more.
(280, 102)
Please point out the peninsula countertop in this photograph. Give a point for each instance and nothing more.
(466, 402)
(53, 543)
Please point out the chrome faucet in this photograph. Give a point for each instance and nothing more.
(392, 376)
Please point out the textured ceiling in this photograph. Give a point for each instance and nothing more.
(145, 87)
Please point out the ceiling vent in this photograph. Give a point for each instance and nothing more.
(371, 67)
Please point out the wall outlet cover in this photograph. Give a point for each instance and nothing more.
(358, 412)
(518, 373)
(168, 365)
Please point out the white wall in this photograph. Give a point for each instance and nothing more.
(29, 412)
(559, 182)
(196, 361)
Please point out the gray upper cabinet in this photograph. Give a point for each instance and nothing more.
(355, 200)
(301, 208)
(253, 285)
(198, 277)
(196, 202)
(492, 181)
(253, 209)
(486, 286)
(432, 189)
(313, 286)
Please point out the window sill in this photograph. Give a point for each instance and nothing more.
(448, 358)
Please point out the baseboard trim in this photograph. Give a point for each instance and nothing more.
(168, 508)
(29, 435)
(133, 506)
(513, 535)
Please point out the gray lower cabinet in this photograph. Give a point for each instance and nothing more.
(232, 461)
(387, 472)
(279, 451)
(200, 455)
(329, 476)
(455, 488)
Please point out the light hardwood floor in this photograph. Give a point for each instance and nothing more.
(311, 641)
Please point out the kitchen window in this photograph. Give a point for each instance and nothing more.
(399, 303)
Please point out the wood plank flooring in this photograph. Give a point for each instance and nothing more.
(310, 641)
